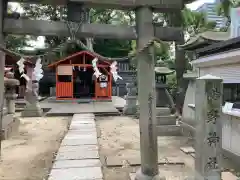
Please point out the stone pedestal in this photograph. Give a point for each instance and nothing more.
(140, 176)
(208, 128)
(161, 97)
(32, 108)
(130, 107)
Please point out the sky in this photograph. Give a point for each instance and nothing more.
(198, 3)
(40, 42)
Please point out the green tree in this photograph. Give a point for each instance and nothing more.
(191, 23)
(195, 22)
(224, 9)
(106, 47)
(161, 52)
(16, 42)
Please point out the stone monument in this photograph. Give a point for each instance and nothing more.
(32, 108)
(208, 128)
(130, 107)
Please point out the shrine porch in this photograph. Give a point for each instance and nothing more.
(68, 108)
(53, 99)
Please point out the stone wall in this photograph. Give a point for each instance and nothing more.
(119, 88)
(188, 114)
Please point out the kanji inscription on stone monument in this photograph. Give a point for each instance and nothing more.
(208, 133)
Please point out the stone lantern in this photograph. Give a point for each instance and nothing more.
(130, 107)
(163, 98)
(10, 91)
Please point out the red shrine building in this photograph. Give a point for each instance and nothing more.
(75, 77)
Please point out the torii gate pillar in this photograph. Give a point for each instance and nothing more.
(147, 97)
(3, 6)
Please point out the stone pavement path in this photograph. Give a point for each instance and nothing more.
(78, 157)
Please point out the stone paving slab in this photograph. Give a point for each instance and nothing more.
(113, 161)
(77, 148)
(81, 136)
(74, 128)
(86, 173)
(82, 132)
(81, 126)
(83, 119)
(77, 142)
(77, 152)
(82, 116)
(77, 163)
(79, 121)
(73, 155)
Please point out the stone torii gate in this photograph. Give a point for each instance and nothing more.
(144, 31)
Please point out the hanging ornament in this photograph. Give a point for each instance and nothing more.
(97, 73)
(38, 72)
(114, 72)
(21, 66)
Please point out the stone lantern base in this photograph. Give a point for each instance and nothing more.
(32, 110)
(131, 105)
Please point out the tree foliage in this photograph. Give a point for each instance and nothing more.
(16, 42)
(192, 23)
(224, 9)
(195, 22)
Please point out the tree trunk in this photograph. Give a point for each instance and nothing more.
(180, 62)
(87, 19)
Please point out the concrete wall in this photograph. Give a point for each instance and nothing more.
(231, 134)
(188, 114)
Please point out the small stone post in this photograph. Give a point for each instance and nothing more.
(208, 110)
(10, 92)
(130, 107)
(32, 108)
(3, 9)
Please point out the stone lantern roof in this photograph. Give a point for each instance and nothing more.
(161, 68)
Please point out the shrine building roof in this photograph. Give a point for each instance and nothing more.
(204, 39)
(75, 59)
(224, 46)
